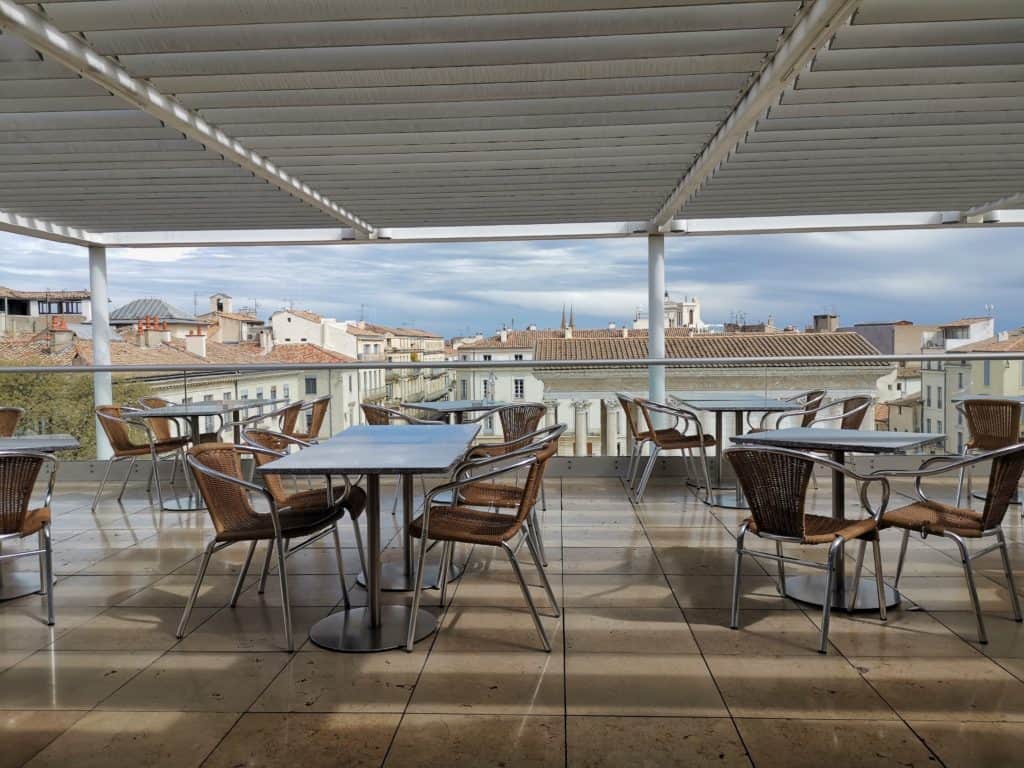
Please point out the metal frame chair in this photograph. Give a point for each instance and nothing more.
(286, 417)
(672, 438)
(809, 402)
(379, 415)
(518, 421)
(930, 517)
(228, 500)
(993, 423)
(639, 439)
(775, 482)
(9, 418)
(456, 524)
(117, 422)
(20, 470)
(854, 410)
(279, 444)
(317, 409)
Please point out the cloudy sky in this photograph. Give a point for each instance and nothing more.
(925, 276)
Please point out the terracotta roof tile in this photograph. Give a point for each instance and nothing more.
(1013, 343)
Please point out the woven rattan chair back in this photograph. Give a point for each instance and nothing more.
(628, 403)
(1003, 479)
(855, 409)
(812, 401)
(18, 473)
(776, 487)
(118, 432)
(534, 478)
(227, 503)
(317, 410)
(378, 415)
(994, 423)
(272, 442)
(161, 427)
(521, 419)
(9, 418)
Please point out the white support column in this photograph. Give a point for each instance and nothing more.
(582, 407)
(101, 382)
(656, 315)
(610, 428)
(552, 414)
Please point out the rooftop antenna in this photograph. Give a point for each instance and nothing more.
(195, 302)
(362, 312)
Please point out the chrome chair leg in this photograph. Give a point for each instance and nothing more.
(960, 481)
(706, 471)
(782, 568)
(200, 574)
(359, 544)
(734, 620)
(341, 565)
(533, 529)
(855, 587)
(903, 555)
(648, 470)
(543, 498)
(526, 595)
(103, 482)
(826, 608)
(543, 576)
(879, 582)
(266, 569)
(444, 570)
(1010, 583)
(127, 475)
(965, 559)
(410, 637)
(286, 607)
(241, 575)
(48, 546)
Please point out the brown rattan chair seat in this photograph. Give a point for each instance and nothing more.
(819, 529)
(670, 439)
(162, 446)
(469, 526)
(316, 498)
(492, 495)
(936, 518)
(295, 524)
(34, 521)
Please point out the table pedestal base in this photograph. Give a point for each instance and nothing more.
(18, 584)
(186, 503)
(349, 631)
(393, 577)
(809, 588)
(727, 499)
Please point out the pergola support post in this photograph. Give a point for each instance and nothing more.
(102, 389)
(656, 315)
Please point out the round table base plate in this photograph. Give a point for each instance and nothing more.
(393, 577)
(727, 500)
(349, 631)
(810, 588)
(18, 584)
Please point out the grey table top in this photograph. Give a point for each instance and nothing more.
(456, 406)
(211, 407)
(395, 449)
(44, 443)
(860, 441)
(737, 402)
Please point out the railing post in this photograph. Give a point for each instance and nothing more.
(656, 315)
(610, 428)
(102, 387)
(582, 407)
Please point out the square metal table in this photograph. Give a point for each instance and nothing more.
(837, 443)
(401, 449)
(455, 410)
(21, 583)
(221, 408)
(737, 403)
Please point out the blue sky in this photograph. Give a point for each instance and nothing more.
(920, 275)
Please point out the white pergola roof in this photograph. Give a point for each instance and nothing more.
(149, 122)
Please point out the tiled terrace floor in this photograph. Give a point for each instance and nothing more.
(644, 671)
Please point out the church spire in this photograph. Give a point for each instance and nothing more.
(563, 317)
(572, 314)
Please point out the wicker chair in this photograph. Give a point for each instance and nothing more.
(775, 482)
(993, 423)
(316, 410)
(809, 403)
(378, 415)
(19, 471)
(9, 418)
(275, 445)
(454, 524)
(675, 437)
(283, 419)
(218, 473)
(929, 517)
(517, 421)
(122, 426)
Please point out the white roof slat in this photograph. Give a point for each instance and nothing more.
(889, 12)
(896, 76)
(903, 93)
(917, 34)
(921, 57)
(901, 107)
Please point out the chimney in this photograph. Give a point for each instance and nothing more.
(60, 336)
(266, 340)
(195, 343)
(151, 334)
(567, 332)
(625, 333)
(165, 332)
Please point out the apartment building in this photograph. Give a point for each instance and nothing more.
(31, 311)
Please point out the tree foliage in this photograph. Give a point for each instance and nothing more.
(62, 403)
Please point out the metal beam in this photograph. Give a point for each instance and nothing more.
(809, 34)
(46, 230)
(52, 43)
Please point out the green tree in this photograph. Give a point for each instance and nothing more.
(62, 403)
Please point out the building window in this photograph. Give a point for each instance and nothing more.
(987, 373)
(208, 420)
(286, 392)
(226, 396)
(517, 356)
(939, 398)
(311, 385)
(464, 393)
(939, 425)
(59, 307)
(273, 392)
(928, 396)
(259, 396)
(350, 383)
(486, 357)
(518, 389)
(928, 425)
(960, 380)
(959, 442)
(243, 394)
(487, 389)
